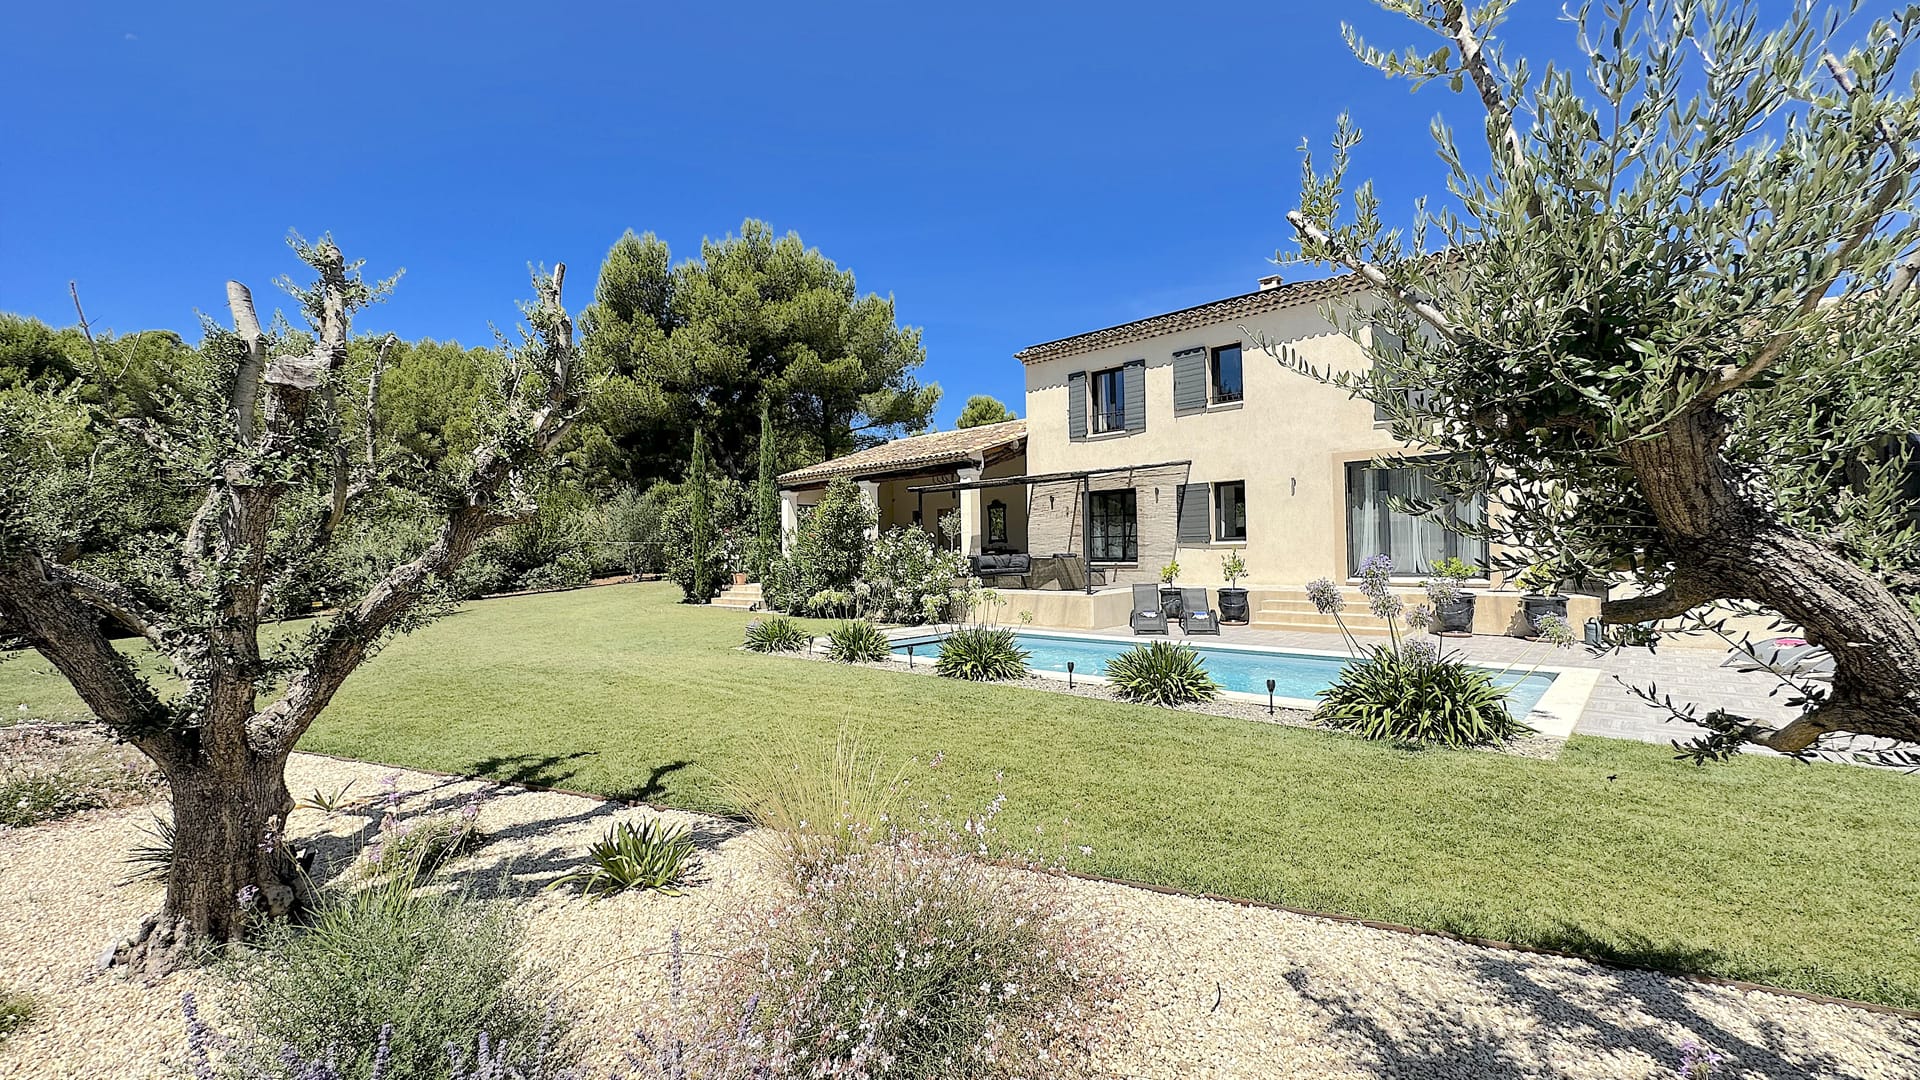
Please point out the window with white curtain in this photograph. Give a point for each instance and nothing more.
(1376, 526)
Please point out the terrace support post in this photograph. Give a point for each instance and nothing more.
(971, 517)
(870, 493)
(789, 520)
(1086, 532)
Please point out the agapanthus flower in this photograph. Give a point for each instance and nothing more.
(1324, 594)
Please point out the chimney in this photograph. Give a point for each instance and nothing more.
(1271, 281)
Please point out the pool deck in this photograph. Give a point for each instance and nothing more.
(1691, 676)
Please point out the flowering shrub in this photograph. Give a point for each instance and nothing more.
(1698, 1061)
(414, 847)
(909, 580)
(911, 959)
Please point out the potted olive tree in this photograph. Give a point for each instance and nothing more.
(1447, 592)
(1540, 597)
(1233, 599)
(1169, 592)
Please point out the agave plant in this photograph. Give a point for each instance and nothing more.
(1416, 696)
(776, 633)
(1161, 673)
(857, 641)
(981, 653)
(653, 856)
(153, 860)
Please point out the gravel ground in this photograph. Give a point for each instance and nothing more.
(1215, 989)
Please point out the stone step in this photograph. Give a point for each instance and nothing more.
(1329, 627)
(1306, 607)
(1359, 622)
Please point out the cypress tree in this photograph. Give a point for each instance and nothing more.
(701, 521)
(766, 499)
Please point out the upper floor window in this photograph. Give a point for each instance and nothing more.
(1109, 390)
(1225, 370)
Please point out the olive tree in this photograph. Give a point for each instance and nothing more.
(261, 431)
(1670, 331)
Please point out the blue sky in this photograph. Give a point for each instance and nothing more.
(1010, 174)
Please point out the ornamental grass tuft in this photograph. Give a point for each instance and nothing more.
(1416, 696)
(857, 641)
(1163, 673)
(981, 653)
(654, 856)
(776, 634)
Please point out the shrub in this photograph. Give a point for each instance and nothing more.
(410, 849)
(857, 641)
(49, 772)
(1161, 673)
(15, 1010)
(1416, 696)
(822, 799)
(624, 534)
(911, 958)
(728, 514)
(153, 860)
(776, 633)
(654, 856)
(828, 551)
(981, 653)
(423, 975)
(909, 580)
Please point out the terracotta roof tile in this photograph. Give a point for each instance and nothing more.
(1209, 314)
(914, 451)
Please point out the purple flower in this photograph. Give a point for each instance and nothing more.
(247, 896)
(1324, 594)
(1698, 1061)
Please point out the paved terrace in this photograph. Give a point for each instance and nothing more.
(1689, 675)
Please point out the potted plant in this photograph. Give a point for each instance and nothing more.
(1169, 592)
(1446, 591)
(1233, 599)
(1540, 597)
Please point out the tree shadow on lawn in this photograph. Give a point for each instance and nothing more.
(528, 770)
(1548, 1012)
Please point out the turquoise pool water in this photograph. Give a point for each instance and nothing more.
(1294, 675)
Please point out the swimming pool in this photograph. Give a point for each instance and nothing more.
(1241, 669)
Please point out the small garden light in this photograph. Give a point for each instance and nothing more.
(1269, 697)
(909, 656)
(1069, 674)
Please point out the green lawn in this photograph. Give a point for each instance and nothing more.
(1799, 876)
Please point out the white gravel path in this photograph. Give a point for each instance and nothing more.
(1215, 989)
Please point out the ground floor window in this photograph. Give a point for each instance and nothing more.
(1113, 533)
(1379, 521)
(1230, 510)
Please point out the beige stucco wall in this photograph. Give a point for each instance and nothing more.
(1290, 439)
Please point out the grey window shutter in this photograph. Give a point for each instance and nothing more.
(1077, 405)
(1190, 380)
(1135, 375)
(1195, 515)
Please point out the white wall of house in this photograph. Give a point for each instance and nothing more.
(1288, 438)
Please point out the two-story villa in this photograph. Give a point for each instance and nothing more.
(1173, 437)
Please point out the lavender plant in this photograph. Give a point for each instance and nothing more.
(1698, 1061)
(912, 959)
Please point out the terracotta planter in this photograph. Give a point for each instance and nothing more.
(740, 578)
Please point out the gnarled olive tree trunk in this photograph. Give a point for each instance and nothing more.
(1727, 546)
(221, 750)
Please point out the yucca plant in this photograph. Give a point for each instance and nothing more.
(776, 633)
(1414, 696)
(1161, 673)
(153, 860)
(857, 641)
(654, 856)
(981, 653)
